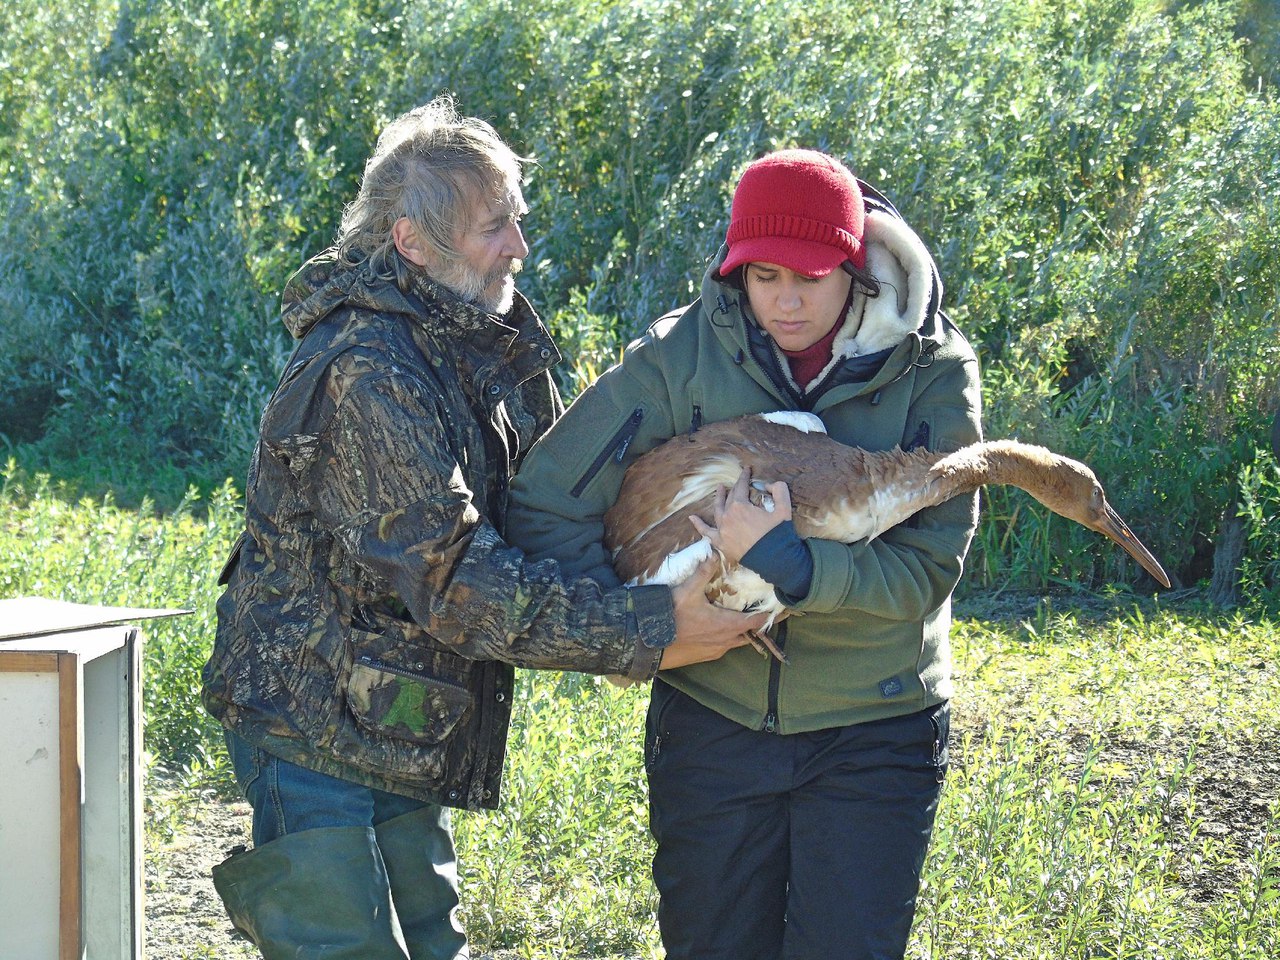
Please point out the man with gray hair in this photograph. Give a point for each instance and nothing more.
(363, 663)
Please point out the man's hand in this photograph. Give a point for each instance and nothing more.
(738, 522)
(703, 630)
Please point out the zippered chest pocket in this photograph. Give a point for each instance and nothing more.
(615, 450)
(392, 692)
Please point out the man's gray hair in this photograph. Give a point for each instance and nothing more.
(426, 166)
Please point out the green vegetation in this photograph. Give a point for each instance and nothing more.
(1097, 180)
(1092, 175)
(1114, 791)
(88, 551)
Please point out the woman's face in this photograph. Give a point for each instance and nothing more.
(797, 311)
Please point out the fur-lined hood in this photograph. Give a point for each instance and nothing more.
(909, 289)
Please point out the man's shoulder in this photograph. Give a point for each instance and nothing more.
(353, 349)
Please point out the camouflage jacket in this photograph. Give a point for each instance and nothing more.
(373, 612)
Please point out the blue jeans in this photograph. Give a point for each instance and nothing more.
(287, 798)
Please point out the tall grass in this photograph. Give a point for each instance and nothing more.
(1114, 787)
(1092, 808)
(1102, 759)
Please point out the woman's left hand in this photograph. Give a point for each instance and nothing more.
(738, 522)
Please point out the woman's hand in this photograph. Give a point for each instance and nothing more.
(738, 522)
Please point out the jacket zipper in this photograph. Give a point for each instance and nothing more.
(777, 372)
(783, 388)
(775, 678)
(810, 397)
(616, 448)
(419, 675)
(383, 667)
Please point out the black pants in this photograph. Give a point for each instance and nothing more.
(789, 847)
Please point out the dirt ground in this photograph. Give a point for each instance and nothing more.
(184, 917)
(1234, 789)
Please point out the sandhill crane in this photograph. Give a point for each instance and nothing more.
(838, 492)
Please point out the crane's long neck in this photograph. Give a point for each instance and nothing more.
(994, 461)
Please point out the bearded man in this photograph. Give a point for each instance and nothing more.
(363, 663)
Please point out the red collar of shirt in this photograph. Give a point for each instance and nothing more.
(808, 363)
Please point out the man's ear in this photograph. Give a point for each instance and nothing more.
(410, 243)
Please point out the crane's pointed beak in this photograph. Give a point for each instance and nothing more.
(1112, 526)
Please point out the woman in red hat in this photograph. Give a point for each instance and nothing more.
(792, 804)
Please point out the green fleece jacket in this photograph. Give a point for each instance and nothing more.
(870, 638)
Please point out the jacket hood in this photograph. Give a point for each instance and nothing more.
(910, 288)
(324, 284)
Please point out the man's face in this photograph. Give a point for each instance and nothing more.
(490, 247)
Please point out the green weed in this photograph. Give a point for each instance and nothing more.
(56, 544)
(1114, 788)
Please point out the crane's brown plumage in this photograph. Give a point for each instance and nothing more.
(837, 493)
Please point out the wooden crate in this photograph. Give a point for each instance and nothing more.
(70, 781)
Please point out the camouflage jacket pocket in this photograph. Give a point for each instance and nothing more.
(392, 694)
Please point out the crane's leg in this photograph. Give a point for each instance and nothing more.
(764, 643)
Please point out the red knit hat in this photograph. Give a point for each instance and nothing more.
(800, 209)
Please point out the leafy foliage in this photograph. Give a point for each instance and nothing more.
(1092, 175)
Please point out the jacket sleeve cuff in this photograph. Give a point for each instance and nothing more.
(652, 610)
(783, 559)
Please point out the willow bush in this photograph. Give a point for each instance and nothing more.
(1091, 174)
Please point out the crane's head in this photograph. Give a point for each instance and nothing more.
(1071, 489)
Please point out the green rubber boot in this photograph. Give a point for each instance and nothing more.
(423, 869)
(314, 895)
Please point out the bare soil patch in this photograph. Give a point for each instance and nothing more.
(184, 916)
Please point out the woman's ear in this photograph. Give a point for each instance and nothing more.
(409, 242)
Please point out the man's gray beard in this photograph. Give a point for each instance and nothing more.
(469, 286)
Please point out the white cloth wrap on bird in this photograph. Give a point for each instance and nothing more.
(804, 422)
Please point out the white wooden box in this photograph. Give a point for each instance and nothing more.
(70, 781)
